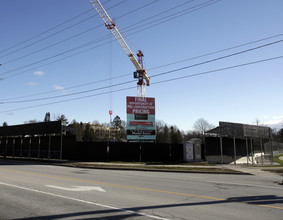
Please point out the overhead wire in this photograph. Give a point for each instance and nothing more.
(159, 74)
(218, 51)
(165, 65)
(103, 38)
(173, 16)
(60, 31)
(163, 81)
(50, 29)
(76, 35)
(44, 32)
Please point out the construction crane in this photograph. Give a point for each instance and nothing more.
(140, 73)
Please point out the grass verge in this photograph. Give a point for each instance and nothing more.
(158, 168)
(280, 162)
(277, 160)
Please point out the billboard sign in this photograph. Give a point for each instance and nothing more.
(140, 119)
(243, 130)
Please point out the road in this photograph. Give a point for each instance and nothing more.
(37, 191)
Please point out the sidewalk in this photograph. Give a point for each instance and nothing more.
(257, 170)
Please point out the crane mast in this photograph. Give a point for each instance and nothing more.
(140, 73)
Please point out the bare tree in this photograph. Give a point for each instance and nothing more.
(257, 122)
(31, 121)
(201, 126)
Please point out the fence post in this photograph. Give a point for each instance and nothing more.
(61, 142)
(235, 153)
(140, 154)
(221, 150)
(271, 147)
(247, 148)
(29, 147)
(107, 149)
(49, 146)
(170, 152)
(252, 151)
(5, 153)
(261, 152)
(21, 152)
(14, 146)
(38, 149)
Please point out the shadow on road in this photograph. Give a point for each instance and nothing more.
(135, 212)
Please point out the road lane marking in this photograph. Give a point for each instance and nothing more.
(133, 187)
(78, 188)
(84, 201)
(239, 184)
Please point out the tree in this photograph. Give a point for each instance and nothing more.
(175, 135)
(201, 126)
(166, 134)
(47, 117)
(120, 128)
(88, 134)
(63, 119)
(257, 122)
(280, 135)
(77, 130)
(117, 122)
(159, 125)
(5, 124)
(190, 135)
(31, 121)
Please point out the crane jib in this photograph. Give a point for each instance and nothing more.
(112, 27)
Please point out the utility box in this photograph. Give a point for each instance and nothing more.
(188, 149)
(197, 148)
(192, 150)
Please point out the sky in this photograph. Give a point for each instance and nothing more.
(220, 60)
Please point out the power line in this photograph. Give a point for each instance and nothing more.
(68, 88)
(76, 35)
(227, 56)
(190, 66)
(172, 16)
(191, 9)
(71, 94)
(163, 81)
(215, 52)
(159, 74)
(31, 38)
(60, 31)
(213, 71)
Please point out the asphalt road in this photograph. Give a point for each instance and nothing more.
(34, 191)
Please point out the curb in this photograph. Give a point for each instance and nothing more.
(124, 168)
(153, 169)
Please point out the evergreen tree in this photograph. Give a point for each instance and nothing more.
(77, 130)
(120, 128)
(88, 134)
(166, 135)
(47, 117)
(117, 122)
(63, 119)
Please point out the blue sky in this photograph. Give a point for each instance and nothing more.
(41, 70)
